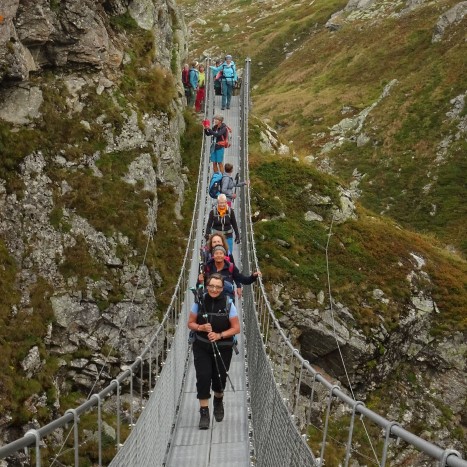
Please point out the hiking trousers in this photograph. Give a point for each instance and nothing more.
(227, 89)
(207, 372)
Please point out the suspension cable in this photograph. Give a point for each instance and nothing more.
(331, 307)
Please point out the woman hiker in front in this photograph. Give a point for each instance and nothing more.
(215, 321)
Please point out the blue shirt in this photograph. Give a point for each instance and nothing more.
(229, 71)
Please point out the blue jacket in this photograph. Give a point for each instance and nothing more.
(229, 72)
(194, 78)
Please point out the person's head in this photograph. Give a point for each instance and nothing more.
(215, 284)
(228, 168)
(194, 64)
(218, 119)
(218, 62)
(201, 68)
(217, 239)
(228, 58)
(222, 201)
(218, 253)
(186, 66)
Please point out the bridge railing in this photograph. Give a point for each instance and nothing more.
(276, 439)
(353, 430)
(157, 368)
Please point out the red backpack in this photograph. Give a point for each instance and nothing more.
(226, 140)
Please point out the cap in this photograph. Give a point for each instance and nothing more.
(228, 57)
(218, 248)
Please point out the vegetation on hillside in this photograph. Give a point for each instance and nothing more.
(109, 204)
(306, 75)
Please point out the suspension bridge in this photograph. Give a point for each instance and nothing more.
(275, 397)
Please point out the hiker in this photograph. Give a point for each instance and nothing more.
(215, 321)
(233, 278)
(193, 78)
(228, 184)
(219, 131)
(229, 78)
(217, 79)
(186, 80)
(215, 240)
(222, 220)
(200, 94)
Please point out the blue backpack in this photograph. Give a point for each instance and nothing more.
(228, 72)
(215, 185)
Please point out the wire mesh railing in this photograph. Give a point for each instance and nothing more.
(276, 439)
(339, 428)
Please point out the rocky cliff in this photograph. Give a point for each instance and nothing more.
(90, 125)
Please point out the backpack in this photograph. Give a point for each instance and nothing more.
(226, 141)
(230, 71)
(215, 185)
(186, 77)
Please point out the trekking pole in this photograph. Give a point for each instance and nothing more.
(237, 178)
(205, 316)
(223, 364)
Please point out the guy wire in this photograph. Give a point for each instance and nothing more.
(335, 333)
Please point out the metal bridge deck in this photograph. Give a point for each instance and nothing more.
(225, 443)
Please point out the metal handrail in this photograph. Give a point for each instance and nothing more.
(31, 437)
(447, 457)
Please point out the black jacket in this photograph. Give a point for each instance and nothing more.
(219, 132)
(215, 311)
(226, 224)
(231, 275)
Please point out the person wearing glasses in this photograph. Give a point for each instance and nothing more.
(215, 321)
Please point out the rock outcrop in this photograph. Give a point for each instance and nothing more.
(84, 56)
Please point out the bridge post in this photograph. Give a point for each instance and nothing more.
(36, 435)
(348, 450)
(75, 430)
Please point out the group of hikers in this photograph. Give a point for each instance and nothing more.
(213, 320)
(225, 78)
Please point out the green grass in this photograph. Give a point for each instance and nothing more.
(364, 254)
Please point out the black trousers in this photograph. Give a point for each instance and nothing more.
(208, 366)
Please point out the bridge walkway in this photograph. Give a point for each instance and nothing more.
(229, 439)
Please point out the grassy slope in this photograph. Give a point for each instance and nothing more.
(303, 96)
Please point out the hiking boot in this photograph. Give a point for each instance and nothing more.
(204, 419)
(218, 408)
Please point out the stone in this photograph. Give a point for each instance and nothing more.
(452, 16)
(32, 362)
(312, 216)
(20, 104)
